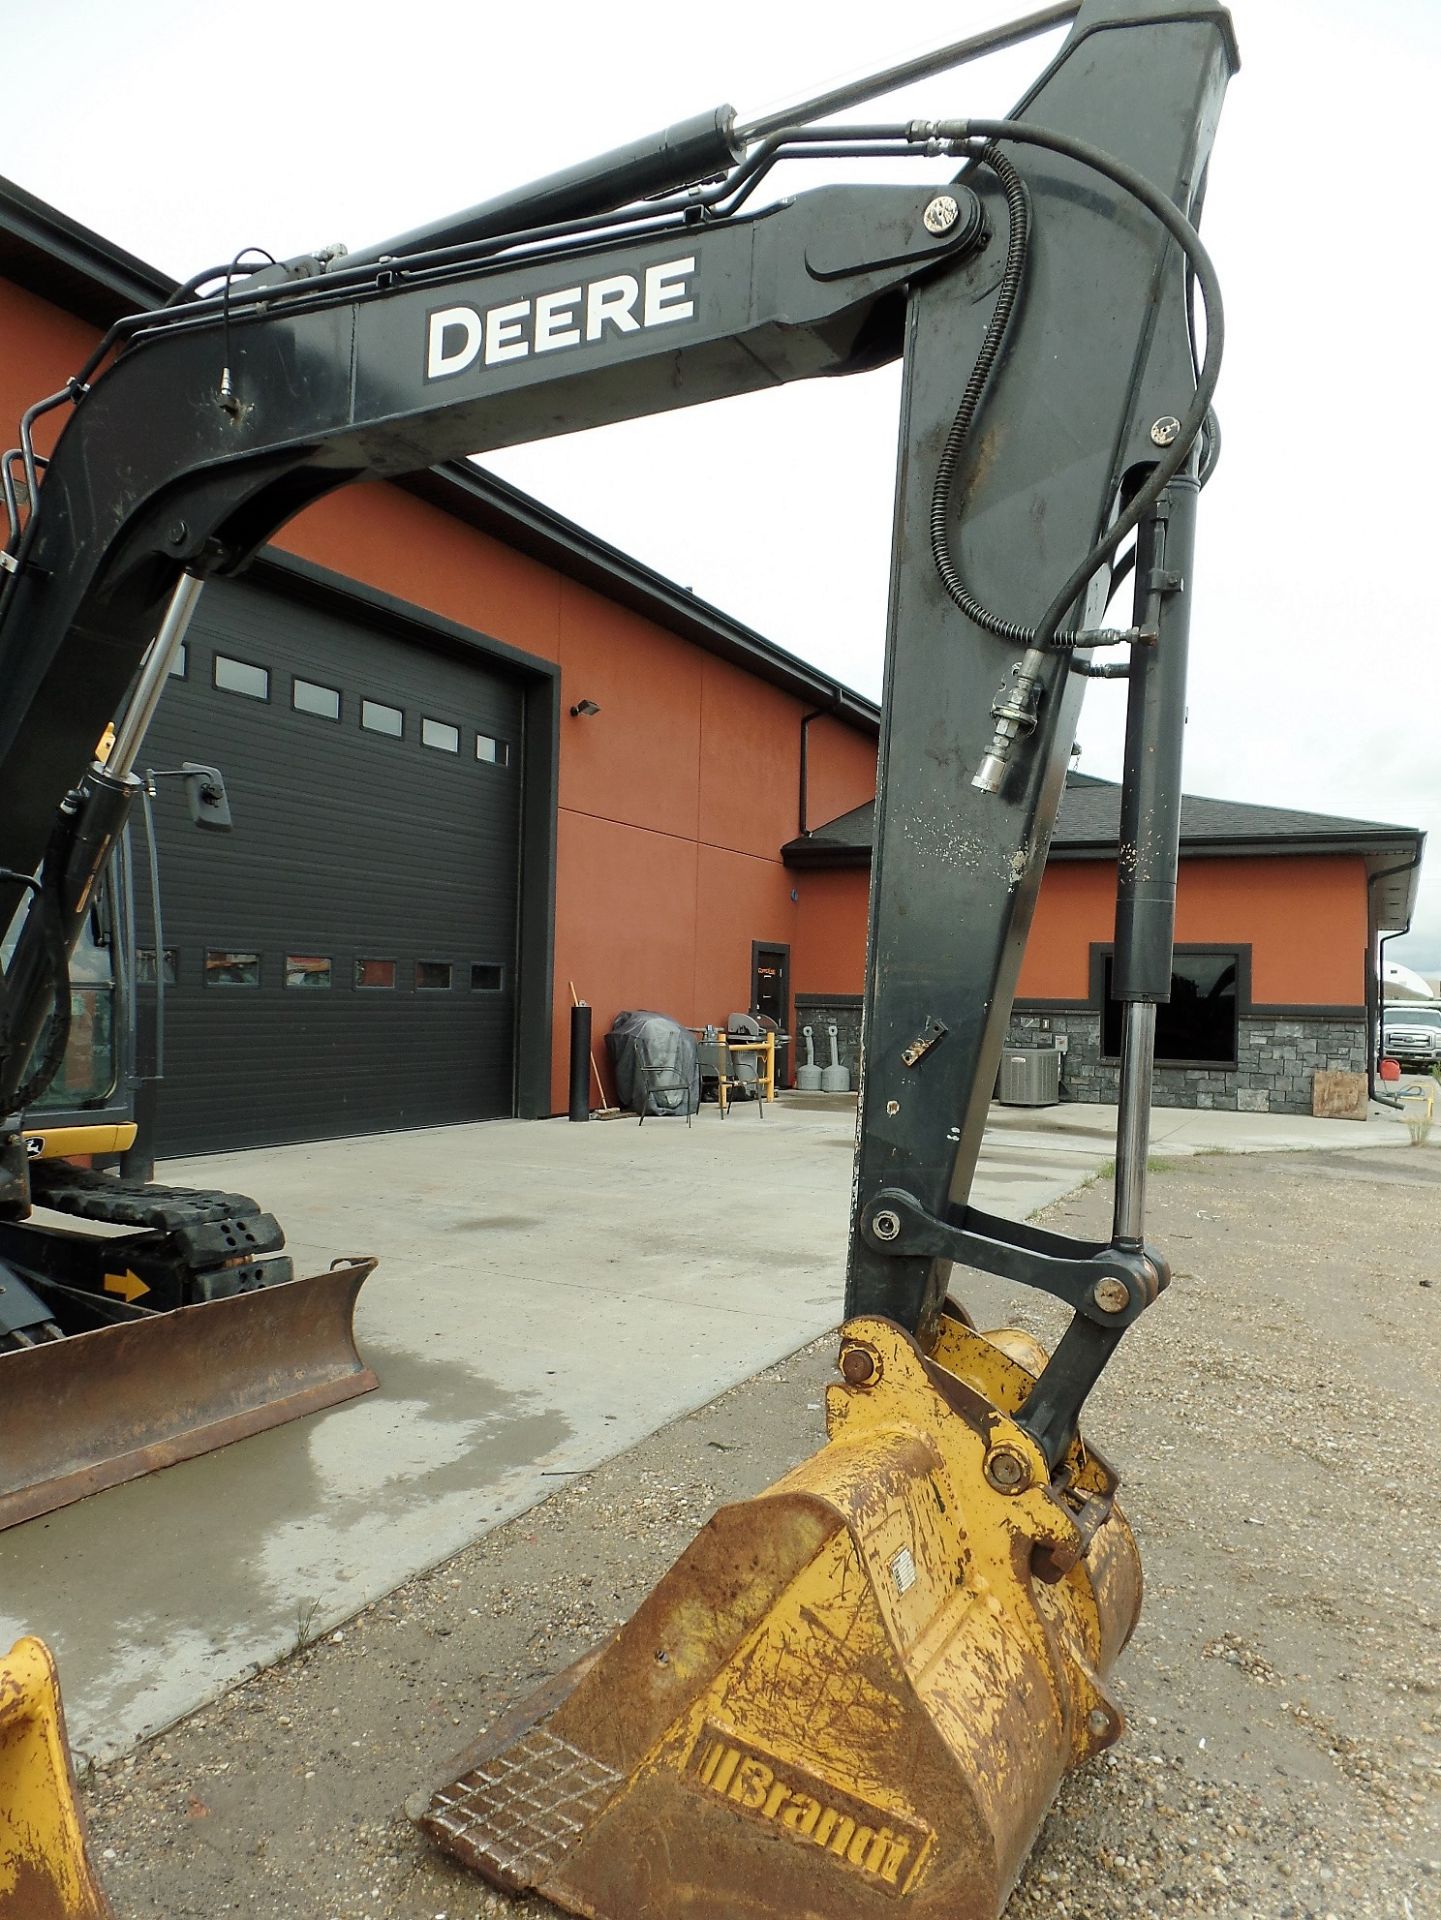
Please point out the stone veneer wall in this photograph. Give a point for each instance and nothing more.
(1276, 1059)
(818, 1012)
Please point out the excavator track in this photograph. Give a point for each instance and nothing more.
(91, 1195)
(186, 1245)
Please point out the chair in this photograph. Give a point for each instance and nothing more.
(664, 1077)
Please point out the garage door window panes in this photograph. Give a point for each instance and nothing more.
(145, 966)
(432, 976)
(440, 733)
(375, 973)
(241, 676)
(308, 696)
(485, 977)
(495, 752)
(180, 662)
(231, 967)
(307, 970)
(376, 717)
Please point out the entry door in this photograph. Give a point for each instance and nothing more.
(771, 995)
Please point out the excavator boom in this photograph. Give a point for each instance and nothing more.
(864, 1686)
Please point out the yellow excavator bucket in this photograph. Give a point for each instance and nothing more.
(44, 1871)
(859, 1690)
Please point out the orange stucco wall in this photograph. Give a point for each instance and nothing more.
(1303, 916)
(830, 952)
(675, 799)
(40, 347)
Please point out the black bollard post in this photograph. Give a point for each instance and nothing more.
(580, 1062)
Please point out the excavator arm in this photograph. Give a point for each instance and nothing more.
(867, 1683)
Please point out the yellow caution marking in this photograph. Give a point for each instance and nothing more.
(128, 1285)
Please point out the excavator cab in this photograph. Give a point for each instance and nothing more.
(133, 1333)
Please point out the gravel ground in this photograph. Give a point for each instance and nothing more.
(1283, 1688)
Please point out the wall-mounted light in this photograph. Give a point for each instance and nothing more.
(583, 709)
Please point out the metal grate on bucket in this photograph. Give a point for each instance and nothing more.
(516, 1815)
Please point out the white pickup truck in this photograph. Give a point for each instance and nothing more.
(1411, 1032)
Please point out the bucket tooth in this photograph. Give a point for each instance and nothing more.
(100, 1408)
(45, 1872)
(862, 1686)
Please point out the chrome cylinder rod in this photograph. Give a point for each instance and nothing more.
(922, 67)
(134, 723)
(1133, 1122)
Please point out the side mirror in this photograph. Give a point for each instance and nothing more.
(205, 796)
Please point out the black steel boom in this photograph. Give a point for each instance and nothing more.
(1040, 303)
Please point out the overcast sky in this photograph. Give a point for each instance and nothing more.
(184, 131)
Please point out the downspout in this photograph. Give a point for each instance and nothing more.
(1373, 980)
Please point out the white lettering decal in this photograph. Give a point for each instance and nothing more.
(462, 320)
(504, 335)
(458, 336)
(554, 315)
(665, 292)
(611, 300)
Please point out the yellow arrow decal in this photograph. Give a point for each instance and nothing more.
(128, 1285)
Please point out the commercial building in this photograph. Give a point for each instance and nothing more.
(478, 760)
(473, 755)
(1279, 919)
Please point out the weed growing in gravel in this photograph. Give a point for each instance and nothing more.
(305, 1634)
(1154, 1164)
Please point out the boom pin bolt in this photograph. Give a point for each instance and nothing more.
(1008, 1470)
(941, 214)
(1111, 1296)
(860, 1366)
(1164, 430)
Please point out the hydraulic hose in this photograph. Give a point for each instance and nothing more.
(1047, 631)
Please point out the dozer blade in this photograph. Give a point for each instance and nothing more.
(89, 1412)
(44, 1871)
(853, 1694)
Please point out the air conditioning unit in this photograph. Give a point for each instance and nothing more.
(1030, 1077)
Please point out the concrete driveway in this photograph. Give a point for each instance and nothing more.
(547, 1295)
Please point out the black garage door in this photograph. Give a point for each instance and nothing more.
(343, 961)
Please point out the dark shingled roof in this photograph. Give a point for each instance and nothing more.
(1089, 828)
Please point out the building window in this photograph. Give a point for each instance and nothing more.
(239, 676)
(376, 717)
(307, 970)
(486, 977)
(307, 696)
(440, 733)
(432, 975)
(228, 967)
(375, 973)
(496, 752)
(145, 966)
(180, 662)
(1198, 1025)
